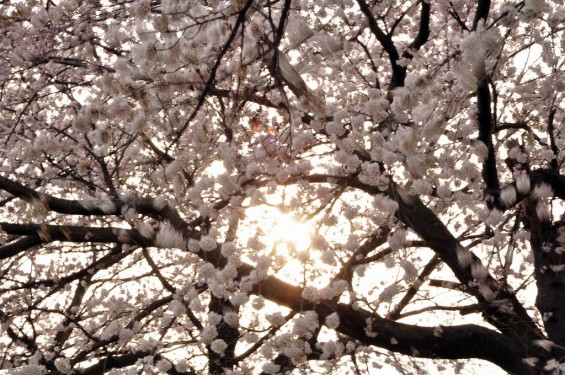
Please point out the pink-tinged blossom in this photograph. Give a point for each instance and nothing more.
(291, 75)
(332, 320)
(542, 211)
(182, 365)
(444, 191)
(174, 167)
(494, 217)
(532, 7)
(335, 128)
(63, 365)
(465, 76)
(104, 205)
(486, 291)
(328, 257)
(402, 99)
(207, 271)
(552, 364)
(193, 245)
(464, 256)
(306, 324)
(31, 370)
(228, 249)
(480, 149)
(293, 349)
(218, 346)
(542, 191)
(370, 173)
(164, 365)
(168, 237)
(334, 290)
(422, 187)
(369, 328)
(126, 335)
(508, 196)
(417, 165)
(410, 270)
(208, 334)
(311, 293)
(196, 305)
(177, 308)
(350, 346)
(331, 349)
(228, 274)
(522, 182)
(271, 368)
(160, 203)
(544, 344)
(111, 330)
(389, 261)
(478, 271)
(258, 303)
(389, 292)
(239, 299)
(208, 243)
(530, 361)
(328, 44)
(298, 32)
(275, 319)
(384, 204)
(145, 230)
(231, 318)
(140, 8)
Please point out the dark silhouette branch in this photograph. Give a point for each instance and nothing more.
(212, 76)
(486, 129)
(483, 8)
(398, 72)
(428, 269)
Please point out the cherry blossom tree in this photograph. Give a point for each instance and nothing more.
(151, 150)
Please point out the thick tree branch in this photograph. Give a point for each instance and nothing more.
(454, 342)
(549, 267)
(483, 8)
(70, 233)
(464, 264)
(398, 72)
(537, 177)
(95, 207)
(551, 136)
(353, 322)
(486, 129)
(423, 32)
(16, 247)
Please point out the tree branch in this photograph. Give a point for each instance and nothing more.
(486, 129)
(483, 8)
(423, 32)
(455, 341)
(212, 77)
(398, 72)
(428, 269)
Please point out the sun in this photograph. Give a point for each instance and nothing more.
(283, 236)
(282, 232)
(290, 234)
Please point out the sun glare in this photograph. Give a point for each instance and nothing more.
(285, 237)
(290, 235)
